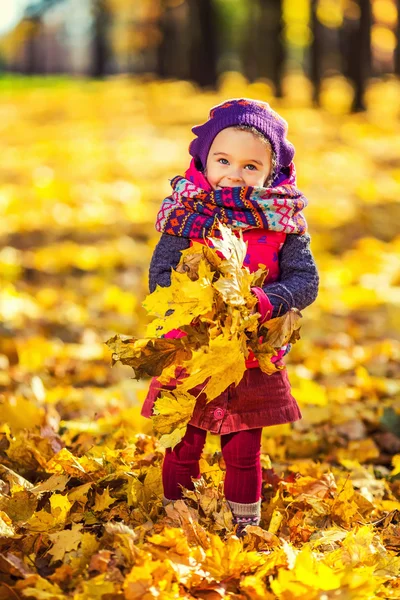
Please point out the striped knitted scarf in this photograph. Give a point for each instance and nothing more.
(192, 211)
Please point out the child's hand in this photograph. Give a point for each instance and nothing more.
(277, 360)
(263, 306)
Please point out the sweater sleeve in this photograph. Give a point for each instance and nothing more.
(166, 256)
(299, 280)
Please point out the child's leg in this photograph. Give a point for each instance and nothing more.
(182, 463)
(242, 454)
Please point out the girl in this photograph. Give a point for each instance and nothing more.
(241, 172)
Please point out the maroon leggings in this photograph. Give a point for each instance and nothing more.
(241, 451)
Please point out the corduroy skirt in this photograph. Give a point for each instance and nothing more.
(259, 400)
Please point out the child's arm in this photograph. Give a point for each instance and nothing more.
(298, 283)
(166, 255)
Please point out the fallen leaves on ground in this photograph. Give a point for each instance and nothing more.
(81, 512)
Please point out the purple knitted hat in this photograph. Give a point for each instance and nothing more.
(243, 111)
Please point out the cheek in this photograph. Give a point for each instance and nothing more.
(212, 171)
(258, 177)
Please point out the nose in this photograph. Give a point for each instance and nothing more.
(235, 175)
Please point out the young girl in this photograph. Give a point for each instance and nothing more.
(242, 172)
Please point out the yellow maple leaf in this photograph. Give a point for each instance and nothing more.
(65, 541)
(360, 547)
(65, 462)
(20, 506)
(235, 280)
(322, 487)
(223, 362)
(60, 507)
(172, 412)
(172, 538)
(235, 291)
(211, 472)
(103, 501)
(151, 579)
(227, 560)
(53, 484)
(233, 248)
(186, 298)
(138, 583)
(41, 521)
(151, 489)
(79, 493)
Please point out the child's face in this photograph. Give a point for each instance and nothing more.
(237, 158)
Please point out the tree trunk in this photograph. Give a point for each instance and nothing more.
(264, 50)
(32, 64)
(100, 46)
(356, 52)
(272, 31)
(397, 51)
(203, 51)
(172, 53)
(316, 50)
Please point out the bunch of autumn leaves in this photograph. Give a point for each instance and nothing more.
(210, 300)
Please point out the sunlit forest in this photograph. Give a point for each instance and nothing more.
(87, 152)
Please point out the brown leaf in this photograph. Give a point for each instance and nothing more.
(281, 329)
(148, 357)
(190, 265)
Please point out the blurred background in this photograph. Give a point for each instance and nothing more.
(97, 101)
(199, 40)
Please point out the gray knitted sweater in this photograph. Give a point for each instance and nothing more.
(298, 282)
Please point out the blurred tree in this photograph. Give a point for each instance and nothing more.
(203, 47)
(316, 52)
(233, 18)
(33, 14)
(356, 48)
(101, 51)
(34, 62)
(173, 51)
(397, 51)
(264, 50)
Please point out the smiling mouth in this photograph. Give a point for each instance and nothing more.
(222, 187)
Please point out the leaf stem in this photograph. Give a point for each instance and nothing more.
(11, 590)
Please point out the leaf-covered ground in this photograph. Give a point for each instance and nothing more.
(84, 168)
